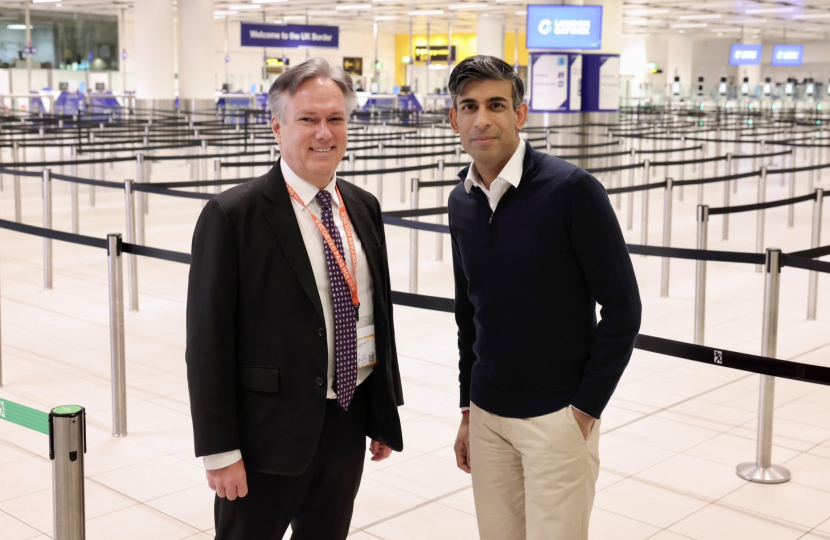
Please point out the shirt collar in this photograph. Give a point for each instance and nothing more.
(511, 173)
(307, 191)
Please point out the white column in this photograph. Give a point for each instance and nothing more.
(154, 53)
(490, 35)
(611, 26)
(196, 55)
(680, 60)
(753, 72)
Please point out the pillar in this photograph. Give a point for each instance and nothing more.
(490, 32)
(154, 53)
(753, 72)
(680, 62)
(196, 55)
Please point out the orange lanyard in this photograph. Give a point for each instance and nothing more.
(338, 257)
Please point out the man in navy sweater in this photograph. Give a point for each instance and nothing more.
(536, 246)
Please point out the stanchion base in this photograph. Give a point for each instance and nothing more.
(774, 474)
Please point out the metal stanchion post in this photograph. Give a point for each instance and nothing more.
(18, 210)
(762, 470)
(92, 175)
(351, 165)
(73, 192)
(667, 204)
(618, 201)
(812, 173)
(202, 162)
(644, 210)
(439, 219)
(791, 194)
(140, 200)
(759, 222)
(217, 175)
(67, 446)
(670, 144)
(547, 141)
(380, 176)
(725, 234)
(815, 241)
(700, 273)
(629, 222)
(47, 224)
(700, 165)
(413, 238)
(117, 351)
(132, 260)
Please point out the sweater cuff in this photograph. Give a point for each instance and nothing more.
(220, 461)
(587, 401)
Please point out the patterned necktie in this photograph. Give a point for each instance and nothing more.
(345, 333)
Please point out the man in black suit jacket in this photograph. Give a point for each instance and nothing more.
(288, 372)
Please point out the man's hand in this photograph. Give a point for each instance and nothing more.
(230, 481)
(379, 451)
(585, 422)
(462, 445)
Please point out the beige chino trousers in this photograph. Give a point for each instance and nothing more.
(533, 478)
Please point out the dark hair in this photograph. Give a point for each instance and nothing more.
(484, 68)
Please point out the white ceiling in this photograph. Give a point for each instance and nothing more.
(795, 20)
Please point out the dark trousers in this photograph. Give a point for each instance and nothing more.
(318, 504)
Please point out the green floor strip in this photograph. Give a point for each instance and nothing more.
(24, 416)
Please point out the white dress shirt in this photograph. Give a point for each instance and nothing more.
(510, 175)
(316, 246)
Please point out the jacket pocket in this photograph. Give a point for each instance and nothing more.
(258, 379)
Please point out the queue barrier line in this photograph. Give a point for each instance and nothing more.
(149, 188)
(760, 206)
(715, 179)
(632, 189)
(86, 181)
(669, 151)
(812, 253)
(24, 416)
(417, 212)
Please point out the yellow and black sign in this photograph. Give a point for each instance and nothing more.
(353, 66)
(276, 62)
(437, 53)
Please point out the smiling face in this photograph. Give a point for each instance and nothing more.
(487, 123)
(313, 136)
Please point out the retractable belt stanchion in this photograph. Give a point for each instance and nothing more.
(18, 210)
(700, 168)
(621, 145)
(413, 239)
(73, 192)
(667, 208)
(725, 234)
(762, 470)
(670, 144)
(813, 157)
(700, 274)
(379, 175)
(644, 216)
(815, 241)
(140, 200)
(791, 192)
(217, 175)
(403, 174)
(92, 173)
(47, 224)
(439, 218)
(67, 446)
(117, 349)
(202, 163)
(132, 260)
(759, 220)
(629, 220)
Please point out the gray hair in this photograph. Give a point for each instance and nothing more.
(484, 68)
(288, 82)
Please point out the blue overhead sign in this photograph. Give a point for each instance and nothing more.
(745, 55)
(289, 35)
(787, 55)
(564, 27)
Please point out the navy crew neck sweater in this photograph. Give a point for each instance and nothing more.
(527, 280)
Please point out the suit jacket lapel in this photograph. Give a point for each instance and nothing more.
(366, 231)
(283, 221)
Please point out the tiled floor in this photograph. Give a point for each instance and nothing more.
(672, 434)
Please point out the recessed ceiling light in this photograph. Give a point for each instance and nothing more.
(18, 27)
(353, 6)
(45, 1)
(386, 18)
(268, 1)
(426, 12)
(636, 12)
(695, 17)
(771, 10)
(468, 6)
(746, 21)
(295, 17)
(811, 16)
(690, 25)
(245, 6)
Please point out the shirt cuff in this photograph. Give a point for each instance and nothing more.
(465, 409)
(220, 461)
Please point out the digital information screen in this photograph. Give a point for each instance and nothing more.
(745, 55)
(564, 27)
(787, 55)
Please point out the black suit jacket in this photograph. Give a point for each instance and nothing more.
(257, 354)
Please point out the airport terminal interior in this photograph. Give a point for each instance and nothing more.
(706, 122)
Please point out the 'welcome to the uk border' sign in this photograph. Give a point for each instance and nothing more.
(289, 35)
